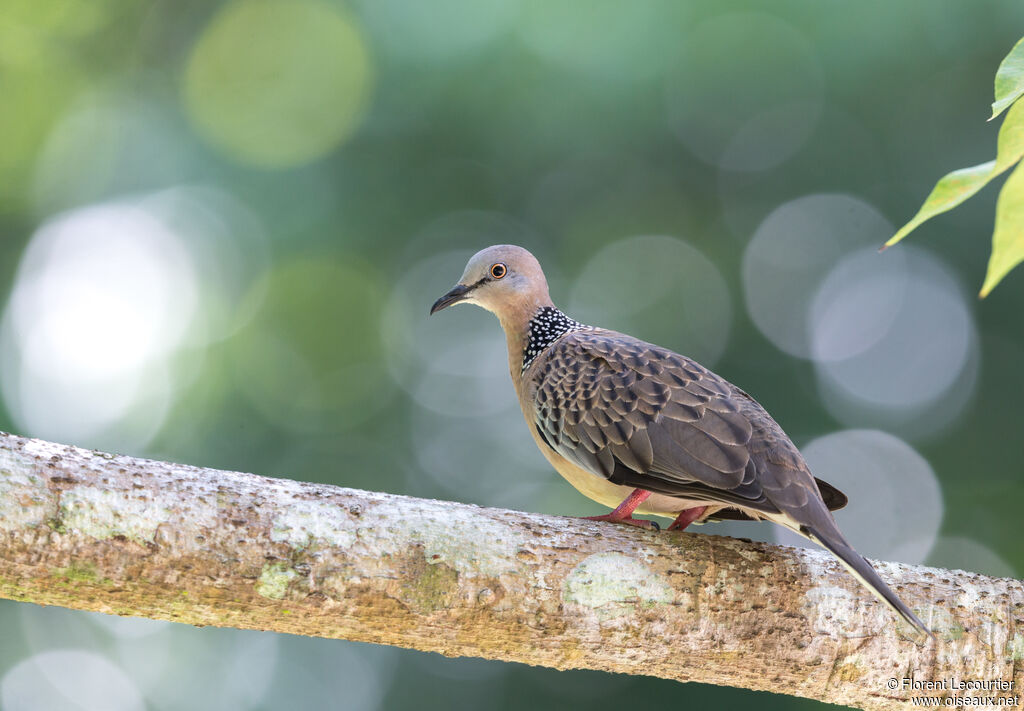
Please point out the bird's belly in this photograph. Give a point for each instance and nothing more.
(611, 495)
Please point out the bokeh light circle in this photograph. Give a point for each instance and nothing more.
(69, 679)
(140, 647)
(106, 264)
(660, 289)
(113, 309)
(855, 305)
(892, 338)
(896, 505)
(103, 298)
(278, 83)
(793, 250)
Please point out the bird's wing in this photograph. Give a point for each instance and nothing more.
(646, 417)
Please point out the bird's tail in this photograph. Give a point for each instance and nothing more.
(864, 572)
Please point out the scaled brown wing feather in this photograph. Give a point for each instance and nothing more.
(649, 418)
(646, 417)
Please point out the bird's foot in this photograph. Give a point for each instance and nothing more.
(612, 518)
(686, 517)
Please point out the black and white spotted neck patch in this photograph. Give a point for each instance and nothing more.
(547, 326)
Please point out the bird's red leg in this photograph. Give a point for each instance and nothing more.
(623, 513)
(685, 518)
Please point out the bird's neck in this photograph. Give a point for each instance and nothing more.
(532, 333)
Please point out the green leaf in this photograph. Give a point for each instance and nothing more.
(1010, 147)
(1008, 237)
(1009, 79)
(949, 192)
(961, 184)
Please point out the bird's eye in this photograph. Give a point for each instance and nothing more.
(498, 270)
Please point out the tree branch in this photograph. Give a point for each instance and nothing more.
(93, 531)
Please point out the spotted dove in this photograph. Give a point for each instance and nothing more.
(642, 429)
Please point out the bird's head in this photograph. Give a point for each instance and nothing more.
(504, 279)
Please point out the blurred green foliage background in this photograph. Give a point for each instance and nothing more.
(222, 225)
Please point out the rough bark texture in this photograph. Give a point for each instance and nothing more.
(94, 531)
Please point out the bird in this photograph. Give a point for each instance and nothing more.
(642, 429)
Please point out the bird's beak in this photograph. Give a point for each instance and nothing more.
(457, 294)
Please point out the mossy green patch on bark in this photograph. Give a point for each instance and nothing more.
(431, 586)
(273, 581)
(80, 572)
